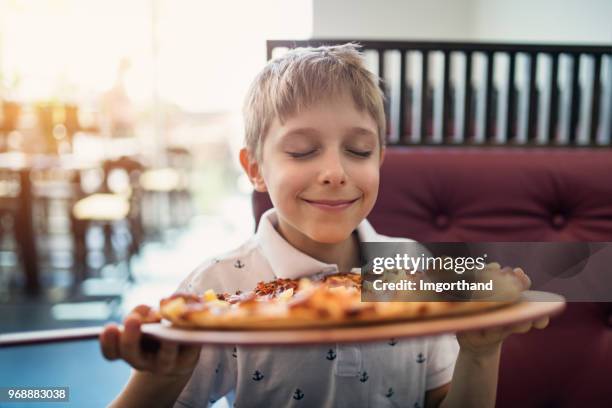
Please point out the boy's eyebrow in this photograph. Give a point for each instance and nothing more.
(308, 131)
(358, 130)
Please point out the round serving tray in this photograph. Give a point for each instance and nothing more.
(532, 305)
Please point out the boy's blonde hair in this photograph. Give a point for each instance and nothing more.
(301, 77)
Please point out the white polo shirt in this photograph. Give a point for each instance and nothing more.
(391, 373)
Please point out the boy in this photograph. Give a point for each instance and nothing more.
(315, 131)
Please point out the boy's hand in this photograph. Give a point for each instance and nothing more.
(163, 358)
(483, 341)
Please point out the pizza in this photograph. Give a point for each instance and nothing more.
(331, 300)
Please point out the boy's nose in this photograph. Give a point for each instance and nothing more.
(334, 179)
(332, 172)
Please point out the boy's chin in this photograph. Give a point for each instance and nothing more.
(332, 234)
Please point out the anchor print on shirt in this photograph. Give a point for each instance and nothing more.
(257, 376)
(364, 377)
(331, 355)
(217, 369)
(420, 359)
(238, 264)
(298, 394)
(389, 393)
(416, 405)
(392, 342)
(234, 353)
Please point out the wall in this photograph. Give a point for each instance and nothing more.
(562, 21)
(389, 19)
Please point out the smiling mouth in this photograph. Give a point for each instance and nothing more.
(332, 204)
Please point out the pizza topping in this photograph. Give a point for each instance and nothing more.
(210, 295)
(286, 295)
(343, 279)
(275, 287)
(241, 297)
(174, 307)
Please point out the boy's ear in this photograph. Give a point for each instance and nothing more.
(383, 150)
(252, 169)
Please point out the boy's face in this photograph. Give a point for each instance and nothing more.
(321, 170)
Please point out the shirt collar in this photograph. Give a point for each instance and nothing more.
(287, 261)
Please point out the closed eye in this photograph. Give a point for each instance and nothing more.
(298, 155)
(360, 153)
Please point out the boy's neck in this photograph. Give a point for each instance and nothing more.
(345, 254)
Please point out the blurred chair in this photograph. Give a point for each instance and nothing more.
(181, 159)
(56, 186)
(116, 208)
(16, 212)
(9, 205)
(168, 192)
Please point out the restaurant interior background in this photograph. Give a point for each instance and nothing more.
(123, 120)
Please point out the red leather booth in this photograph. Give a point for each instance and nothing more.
(506, 194)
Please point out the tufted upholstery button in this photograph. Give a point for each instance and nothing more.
(558, 221)
(442, 221)
(610, 320)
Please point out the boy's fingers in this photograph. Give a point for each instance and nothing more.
(522, 328)
(109, 342)
(541, 323)
(129, 343)
(523, 277)
(166, 356)
(142, 310)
